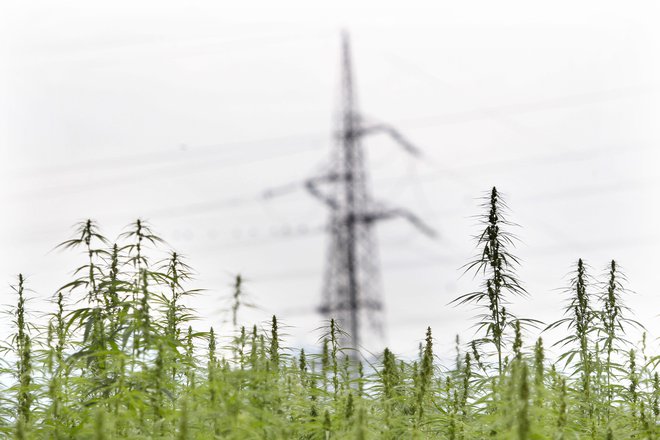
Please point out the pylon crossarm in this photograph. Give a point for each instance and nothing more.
(389, 213)
(281, 190)
(312, 186)
(395, 135)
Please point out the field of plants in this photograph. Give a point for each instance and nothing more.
(119, 359)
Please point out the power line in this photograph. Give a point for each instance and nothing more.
(541, 159)
(428, 121)
(583, 191)
(580, 191)
(114, 181)
(499, 112)
(414, 264)
(150, 158)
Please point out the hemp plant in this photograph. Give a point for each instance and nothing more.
(613, 322)
(498, 265)
(118, 356)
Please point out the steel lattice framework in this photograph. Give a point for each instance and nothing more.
(352, 291)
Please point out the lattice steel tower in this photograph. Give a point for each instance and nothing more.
(352, 286)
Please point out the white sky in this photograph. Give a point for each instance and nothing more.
(166, 110)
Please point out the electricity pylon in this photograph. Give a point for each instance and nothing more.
(352, 291)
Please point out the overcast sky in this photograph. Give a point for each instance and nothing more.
(184, 112)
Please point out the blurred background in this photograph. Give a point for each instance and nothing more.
(186, 113)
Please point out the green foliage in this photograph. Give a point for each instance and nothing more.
(498, 265)
(119, 359)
